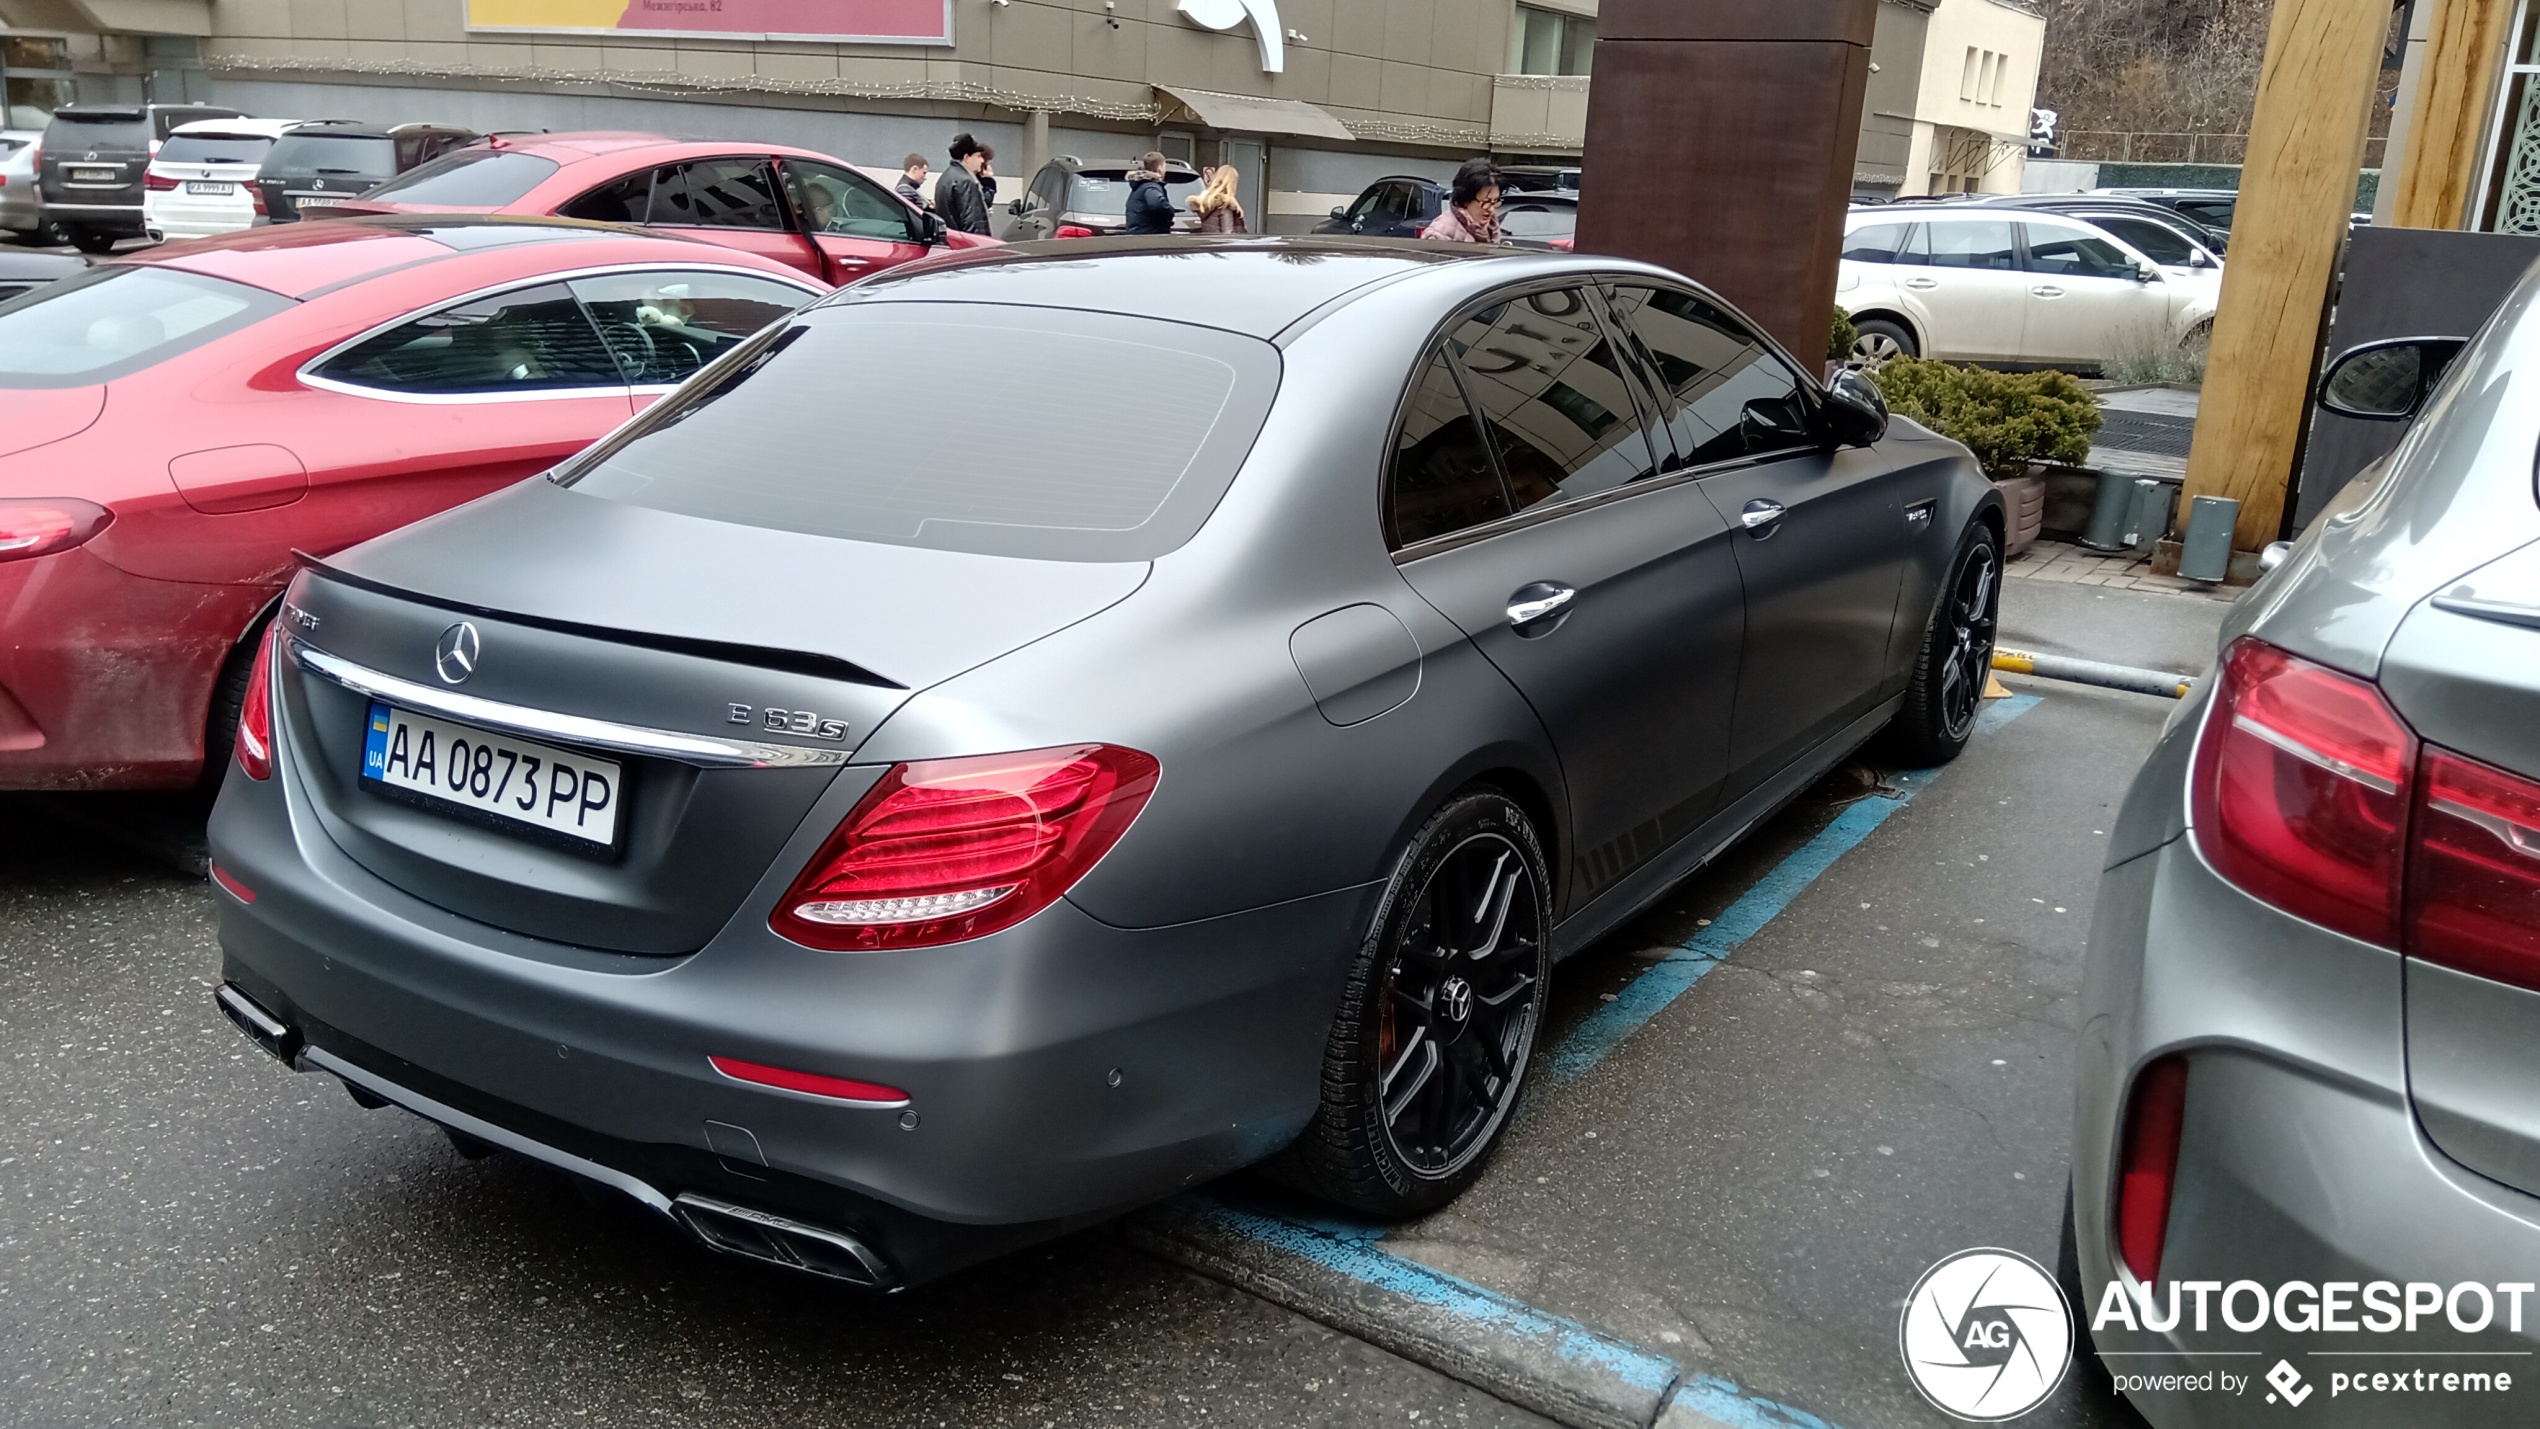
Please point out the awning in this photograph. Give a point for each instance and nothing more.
(1250, 113)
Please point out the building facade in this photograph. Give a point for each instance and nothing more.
(1314, 99)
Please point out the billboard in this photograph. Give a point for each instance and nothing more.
(891, 22)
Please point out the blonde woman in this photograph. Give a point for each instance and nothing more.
(1218, 209)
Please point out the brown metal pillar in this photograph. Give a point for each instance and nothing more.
(1720, 141)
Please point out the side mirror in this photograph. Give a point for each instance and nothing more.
(1015, 208)
(931, 229)
(2196, 259)
(2147, 272)
(1341, 213)
(2386, 381)
(1856, 413)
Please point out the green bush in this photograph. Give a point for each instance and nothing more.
(1839, 345)
(2008, 419)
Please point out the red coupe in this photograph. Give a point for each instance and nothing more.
(174, 425)
(796, 206)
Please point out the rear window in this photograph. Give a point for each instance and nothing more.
(1527, 220)
(1095, 193)
(367, 156)
(98, 131)
(215, 149)
(861, 422)
(112, 322)
(468, 178)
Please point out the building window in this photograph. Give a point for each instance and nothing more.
(1549, 42)
(1967, 77)
(35, 71)
(2511, 201)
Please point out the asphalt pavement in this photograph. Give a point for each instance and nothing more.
(1748, 1183)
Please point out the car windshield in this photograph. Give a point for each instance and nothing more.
(1108, 193)
(2151, 238)
(469, 178)
(215, 149)
(111, 322)
(822, 428)
(366, 156)
(120, 130)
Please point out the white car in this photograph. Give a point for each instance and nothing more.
(197, 184)
(2011, 287)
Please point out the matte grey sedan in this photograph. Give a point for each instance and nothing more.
(873, 850)
(2311, 1010)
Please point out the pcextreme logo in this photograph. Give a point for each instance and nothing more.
(1986, 1335)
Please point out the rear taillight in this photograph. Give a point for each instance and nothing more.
(1070, 230)
(256, 199)
(943, 850)
(255, 714)
(2301, 791)
(2147, 1171)
(40, 526)
(2474, 870)
(158, 183)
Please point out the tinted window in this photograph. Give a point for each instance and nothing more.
(626, 201)
(662, 327)
(215, 149)
(71, 135)
(361, 156)
(1551, 393)
(1727, 396)
(835, 428)
(831, 200)
(1442, 475)
(2071, 253)
(1878, 243)
(110, 322)
(717, 193)
(527, 340)
(469, 178)
(1972, 243)
(2154, 240)
(1109, 194)
(1047, 186)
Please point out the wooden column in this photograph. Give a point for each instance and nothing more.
(2456, 81)
(2306, 142)
(1720, 141)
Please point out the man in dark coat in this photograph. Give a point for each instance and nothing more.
(958, 200)
(1150, 210)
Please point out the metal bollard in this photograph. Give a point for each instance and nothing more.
(2093, 672)
(2206, 553)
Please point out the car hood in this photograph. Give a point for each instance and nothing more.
(30, 418)
(908, 615)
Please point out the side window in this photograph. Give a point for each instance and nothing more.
(1393, 204)
(717, 193)
(1973, 243)
(2156, 241)
(625, 201)
(1048, 186)
(527, 340)
(1552, 394)
(1727, 396)
(2070, 253)
(829, 199)
(661, 327)
(1877, 243)
(1442, 479)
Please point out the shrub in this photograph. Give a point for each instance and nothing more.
(1839, 344)
(2008, 419)
(2155, 360)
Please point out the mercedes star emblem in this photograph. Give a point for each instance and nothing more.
(455, 655)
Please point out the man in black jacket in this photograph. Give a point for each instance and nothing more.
(958, 200)
(1150, 210)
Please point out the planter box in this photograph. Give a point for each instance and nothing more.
(2024, 510)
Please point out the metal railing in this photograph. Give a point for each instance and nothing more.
(2153, 147)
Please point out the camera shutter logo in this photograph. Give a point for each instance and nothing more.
(454, 656)
(1986, 1335)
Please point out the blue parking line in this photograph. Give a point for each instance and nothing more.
(1649, 994)
(1722, 1400)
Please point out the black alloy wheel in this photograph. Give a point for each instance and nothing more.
(1956, 657)
(1438, 1025)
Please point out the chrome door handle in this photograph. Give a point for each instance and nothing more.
(1919, 283)
(1534, 601)
(1761, 517)
(2046, 290)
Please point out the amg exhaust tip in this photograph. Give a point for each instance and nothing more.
(740, 1230)
(262, 1027)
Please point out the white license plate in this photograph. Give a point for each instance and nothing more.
(538, 786)
(209, 189)
(95, 176)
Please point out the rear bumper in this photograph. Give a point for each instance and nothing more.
(1006, 1046)
(124, 219)
(198, 218)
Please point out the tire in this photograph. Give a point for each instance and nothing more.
(89, 240)
(1956, 657)
(1875, 340)
(1435, 1032)
(229, 696)
(2086, 1360)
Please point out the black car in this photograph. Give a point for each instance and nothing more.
(2165, 235)
(336, 159)
(1529, 219)
(23, 272)
(94, 158)
(2210, 207)
(1089, 198)
(1395, 207)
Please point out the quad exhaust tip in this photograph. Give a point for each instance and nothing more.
(262, 1027)
(759, 1235)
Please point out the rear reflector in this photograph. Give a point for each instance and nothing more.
(2148, 1171)
(229, 881)
(2474, 877)
(845, 1089)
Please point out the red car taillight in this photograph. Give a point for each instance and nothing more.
(2474, 870)
(943, 850)
(44, 525)
(2147, 1172)
(255, 714)
(2301, 791)
(158, 183)
(1070, 230)
(256, 200)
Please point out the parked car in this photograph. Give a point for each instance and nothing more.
(1539, 220)
(1395, 207)
(93, 158)
(174, 425)
(801, 208)
(334, 159)
(2139, 223)
(1539, 178)
(2210, 207)
(25, 272)
(920, 861)
(2309, 1038)
(1079, 198)
(202, 180)
(2010, 287)
(21, 206)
